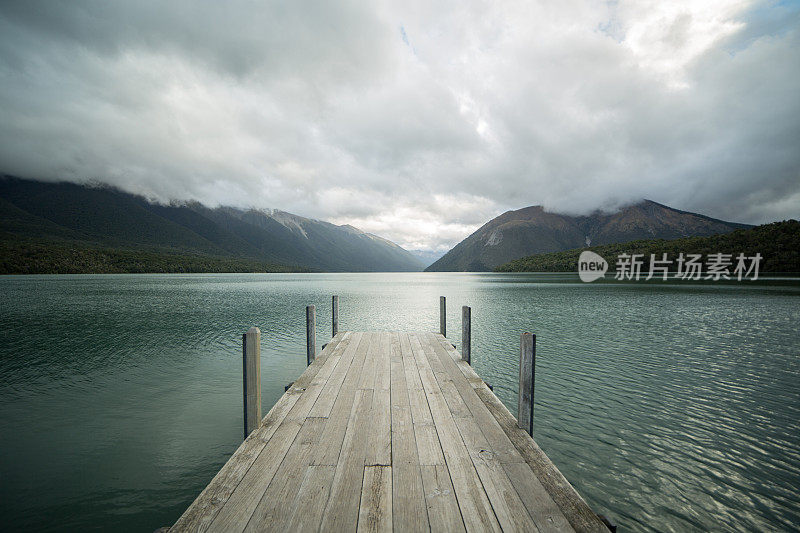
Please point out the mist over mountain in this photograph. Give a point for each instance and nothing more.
(38, 212)
(532, 230)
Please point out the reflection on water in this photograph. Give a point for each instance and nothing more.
(669, 406)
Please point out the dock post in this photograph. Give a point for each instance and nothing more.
(311, 333)
(251, 373)
(466, 334)
(443, 316)
(335, 315)
(527, 373)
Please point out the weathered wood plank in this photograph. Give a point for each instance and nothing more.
(544, 511)
(341, 512)
(379, 451)
(529, 486)
(420, 412)
(429, 449)
(202, 512)
(236, 512)
(469, 373)
(272, 513)
(506, 503)
(476, 510)
(499, 442)
(443, 511)
(331, 441)
(574, 508)
(322, 407)
(309, 505)
(375, 512)
(410, 513)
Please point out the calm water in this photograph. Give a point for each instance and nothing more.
(669, 407)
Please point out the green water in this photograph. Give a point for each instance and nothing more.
(670, 407)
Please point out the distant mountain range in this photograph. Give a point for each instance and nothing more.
(427, 257)
(85, 216)
(532, 230)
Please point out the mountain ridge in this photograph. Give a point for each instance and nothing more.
(533, 230)
(104, 216)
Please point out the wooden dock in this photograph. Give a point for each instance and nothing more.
(389, 431)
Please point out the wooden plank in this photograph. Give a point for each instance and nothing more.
(506, 503)
(366, 377)
(473, 502)
(574, 508)
(408, 495)
(383, 377)
(330, 445)
(236, 512)
(309, 506)
(537, 498)
(322, 407)
(341, 512)
(375, 511)
(272, 513)
(379, 450)
(420, 412)
(499, 442)
(469, 373)
(202, 512)
(544, 511)
(429, 449)
(443, 511)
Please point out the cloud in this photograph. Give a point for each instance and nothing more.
(416, 121)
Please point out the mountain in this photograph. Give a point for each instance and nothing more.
(532, 230)
(427, 257)
(34, 212)
(778, 243)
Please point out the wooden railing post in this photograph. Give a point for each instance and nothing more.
(443, 316)
(527, 373)
(311, 333)
(335, 315)
(251, 372)
(466, 334)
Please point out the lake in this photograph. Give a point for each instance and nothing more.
(669, 406)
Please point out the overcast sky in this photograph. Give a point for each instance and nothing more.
(415, 120)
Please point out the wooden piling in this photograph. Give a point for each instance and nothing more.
(335, 315)
(527, 372)
(443, 316)
(251, 373)
(311, 333)
(466, 334)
